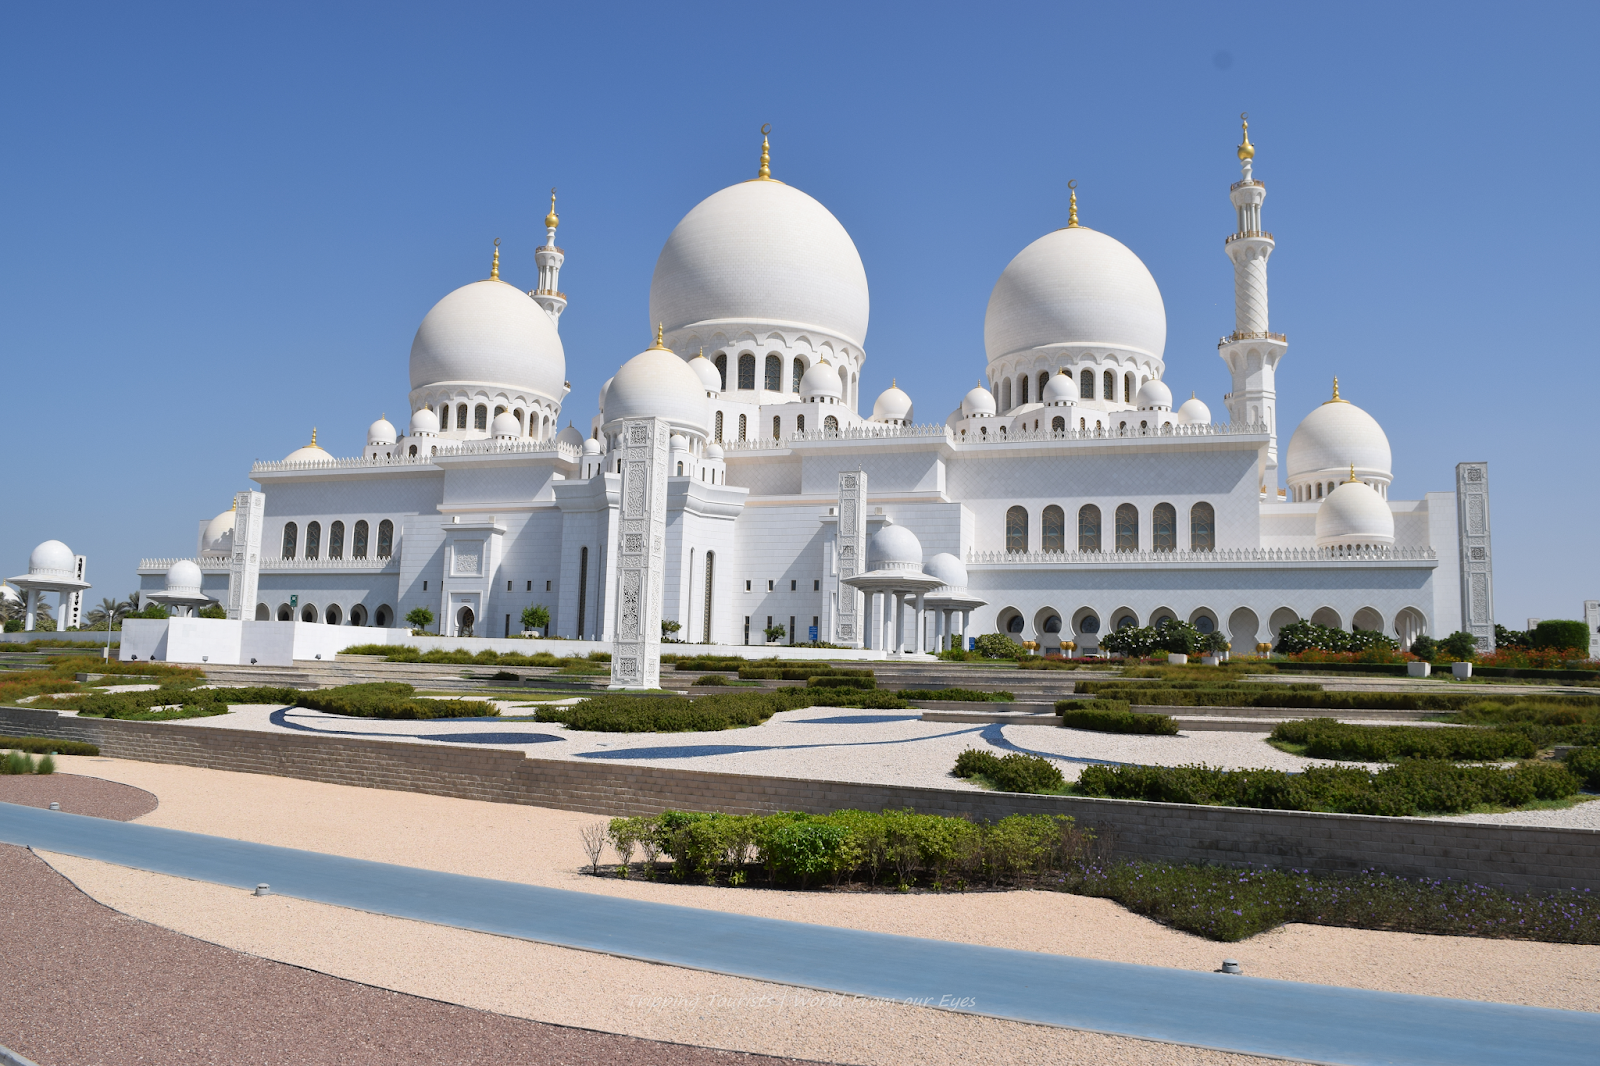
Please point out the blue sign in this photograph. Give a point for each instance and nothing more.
(972, 643)
(813, 632)
(294, 601)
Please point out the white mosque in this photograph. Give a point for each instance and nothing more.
(1065, 496)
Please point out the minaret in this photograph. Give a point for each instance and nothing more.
(550, 258)
(1251, 351)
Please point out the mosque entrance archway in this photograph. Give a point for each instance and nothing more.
(1244, 629)
(1367, 618)
(1410, 624)
(1281, 617)
(1327, 616)
(263, 613)
(464, 620)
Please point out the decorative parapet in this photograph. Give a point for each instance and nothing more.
(219, 564)
(559, 449)
(1001, 434)
(1246, 234)
(1234, 555)
(1261, 336)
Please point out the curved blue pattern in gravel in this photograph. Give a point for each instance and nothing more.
(1320, 1023)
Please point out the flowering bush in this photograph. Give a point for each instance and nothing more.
(1301, 636)
(1531, 658)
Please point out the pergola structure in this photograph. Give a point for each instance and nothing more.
(182, 594)
(952, 612)
(888, 593)
(51, 568)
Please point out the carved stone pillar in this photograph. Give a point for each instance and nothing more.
(640, 554)
(244, 565)
(1477, 562)
(852, 545)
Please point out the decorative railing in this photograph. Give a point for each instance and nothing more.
(1246, 183)
(1230, 555)
(569, 452)
(1244, 234)
(219, 563)
(996, 436)
(1236, 335)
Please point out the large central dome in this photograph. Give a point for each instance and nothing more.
(762, 254)
(493, 335)
(1075, 286)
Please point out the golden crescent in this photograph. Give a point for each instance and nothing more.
(1244, 116)
(552, 190)
(766, 128)
(497, 242)
(1073, 184)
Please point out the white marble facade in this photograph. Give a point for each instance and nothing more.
(1077, 491)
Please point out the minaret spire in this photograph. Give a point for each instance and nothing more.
(494, 267)
(765, 173)
(549, 258)
(1252, 351)
(1072, 210)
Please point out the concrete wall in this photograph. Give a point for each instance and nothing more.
(1514, 856)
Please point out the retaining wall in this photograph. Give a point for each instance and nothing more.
(1514, 856)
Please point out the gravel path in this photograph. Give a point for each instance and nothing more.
(77, 795)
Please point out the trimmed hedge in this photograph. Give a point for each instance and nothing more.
(1280, 696)
(618, 713)
(1325, 738)
(405, 653)
(1015, 772)
(390, 699)
(176, 701)
(1113, 716)
(1585, 762)
(796, 672)
(840, 680)
(1415, 786)
(48, 745)
(963, 695)
(1120, 686)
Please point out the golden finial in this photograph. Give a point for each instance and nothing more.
(1072, 211)
(765, 173)
(1247, 151)
(552, 220)
(658, 344)
(313, 443)
(494, 267)
(1352, 474)
(1336, 397)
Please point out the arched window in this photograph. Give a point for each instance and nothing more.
(718, 437)
(1044, 379)
(799, 372)
(480, 417)
(333, 615)
(830, 424)
(308, 613)
(336, 541)
(461, 416)
(1086, 385)
(1005, 395)
(413, 451)
(799, 423)
(358, 615)
(382, 617)
(1088, 528)
(1144, 429)
(1110, 385)
(285, 613)
(1022, 390)
(1122, 429)
(1164, 528)
(385, 539)
(1127, 527)
(359, 547)
(313, 540)
(777, 428)
(722, 369)
(1058, 424)
(291, 539)
(774, 375)
(1319, 491)
(1017, 529)
(680, 469)
(742, 427)
(747, 371)
(499, 410)
(711, 571)
(1081, 425)
(844, 385)
(1128, 393)
(263, 613)
(983, 431)
(517, 414)
(1202, 528)
(1053, 528)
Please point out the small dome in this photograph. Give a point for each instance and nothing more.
(591, 447)
(9, 594)
(709, 375)
(714, 451)
(1354, 514)
(424, 422)
(894, 548)
(505, 424)
(947, 568)
(183, 577)
(311, 453)
(1194, 412)
(678, 443)
(1061, 389)
(489, 333)
(1155, 396)
(52, 559)
(600, 402)
(1023, 417)
(218, 537)
(821, 382)
(381, 432)
(657, 384)
(1331, 438)
(892, 405)
(980, 401)
(573, 437)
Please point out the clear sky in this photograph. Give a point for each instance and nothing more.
(221, 224)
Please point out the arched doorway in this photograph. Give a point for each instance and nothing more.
(464, 620)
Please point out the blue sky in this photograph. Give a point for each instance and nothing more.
(221, 224)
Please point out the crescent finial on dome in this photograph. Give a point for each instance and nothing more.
(552, 220)
(494, 267)
(1072, 210)
(765, 173)
(1353, 478)
(1336, 397)
(1247, 151)
(658, 345)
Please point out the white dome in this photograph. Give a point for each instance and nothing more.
(183, 577)
(765, 254)
(490, 333)
(1061, 389)
(381, 432)
(9, 594)
(52, 559)
(1354, 513)
(591, 447)
(657, 384)
(1154, 396)
(980, 401)
(600, 401)
(311, 453)
(218, 537)
(423, 420)
(1075, 286)
(505, 424)
(573, 437)
(892, 404)
(713, 451)
(947, 568)
(1332, 438)
(1194, 412)
(710, 377)
(678, 443)
(894, 548)
(821, 382)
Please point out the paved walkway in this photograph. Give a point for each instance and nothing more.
(1234, 1013)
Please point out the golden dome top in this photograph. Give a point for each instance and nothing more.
(765, 173)
(1247, 151)
(1336, 398)
(494, 267)
(552, 220)
(1072, 209)
(658, 345)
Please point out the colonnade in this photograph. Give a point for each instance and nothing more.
(890, 611)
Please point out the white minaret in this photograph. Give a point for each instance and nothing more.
(1251, 351)
(550, 258)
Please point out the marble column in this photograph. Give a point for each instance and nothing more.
(31, 617)
(852, 548)
(640, 554)
(244, 564)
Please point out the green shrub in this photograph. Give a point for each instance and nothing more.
(998, 646)
(1015, 772)
(618, 713)
(1584, 762)
(708, 663)
(1325, 738)
(876, 699)
(1425, 648)
(1460, 646)
(46, 765)
(536, 617)
(390, 699)
(768, 671)
(1561, 633)
(711, 679)
(1041, 663)
(842, 680)
(962, 695)
(419, 618)
(175, 701)
(16, 762)
(1113, 716)
(46, 745)
(1301, 635)
(213, 610)
(1134, 642)
(375, 649)
(1414, 786)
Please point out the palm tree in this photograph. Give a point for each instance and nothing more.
(115, 610)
